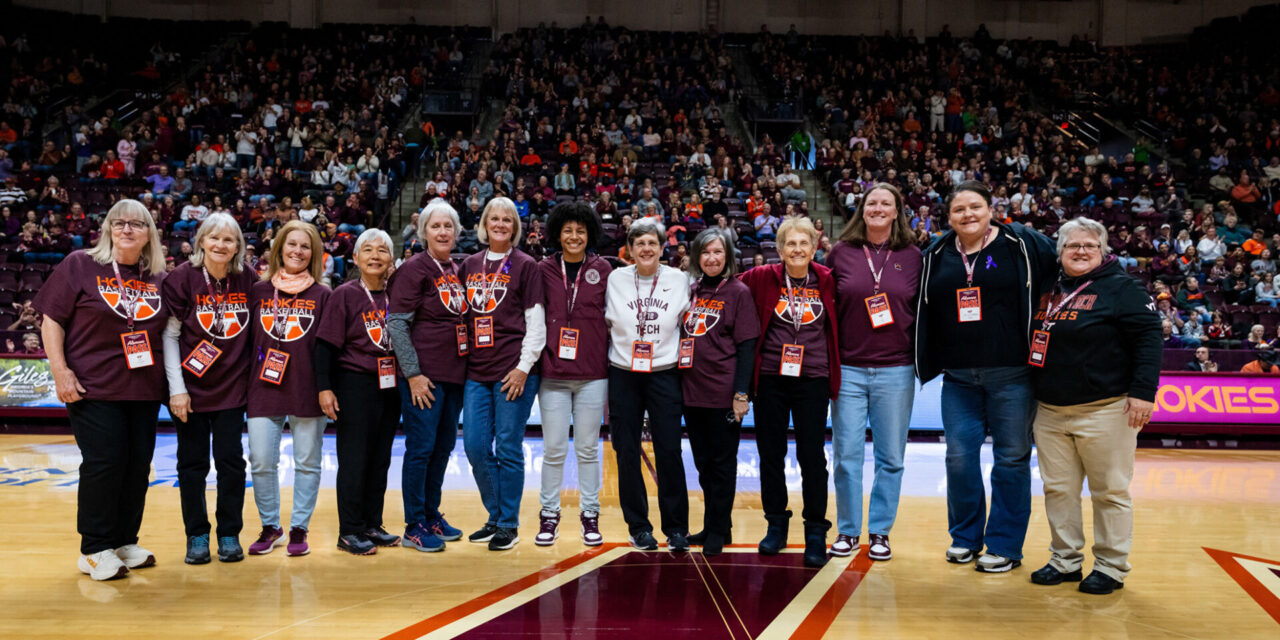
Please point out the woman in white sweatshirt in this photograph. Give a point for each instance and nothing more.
(644, 307)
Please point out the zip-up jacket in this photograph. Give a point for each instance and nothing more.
(765, 282)
(1037, 271)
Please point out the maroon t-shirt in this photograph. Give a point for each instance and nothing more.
(512, 288)
(225, 384)
(356, 327)
(592, 362)
(296, 335)
(84, 297)
(718, 320)
(425, 288)
(812, 334)
(861, 345)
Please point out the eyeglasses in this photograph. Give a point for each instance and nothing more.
(1088, 247)
(121, 225)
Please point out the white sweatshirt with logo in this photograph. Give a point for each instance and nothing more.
(662, 314)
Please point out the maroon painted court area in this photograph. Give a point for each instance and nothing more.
(662, 595)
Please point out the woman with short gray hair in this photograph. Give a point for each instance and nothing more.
(1095, 353)
(718, 336)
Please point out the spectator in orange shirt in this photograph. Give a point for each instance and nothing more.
(1265, 362)
(112, 167)
(1254, 245)
(755, 204)
(568, 147)
(531, 158)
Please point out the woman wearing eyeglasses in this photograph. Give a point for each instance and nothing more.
(102, 327)
(1096, 353)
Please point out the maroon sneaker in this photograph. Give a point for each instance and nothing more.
(297, 542)
(880, 550)
(591, 529)
(266, 541)
(548, 528)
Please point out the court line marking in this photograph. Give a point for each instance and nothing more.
(728, 601)
(788, 621)
(1230, 562)
(710, 593)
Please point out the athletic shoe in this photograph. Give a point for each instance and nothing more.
(229, 549)
(103, 565)
(417, 536)
(197, 550)
(879, 550)
(1048, 575)
(713, 545)
(844, 546)
(441, 529)
(379, 537)
(357, 545)
(484, 534)
(644, 541)
(960, 555)
(503, 539)
(548, 528)
(591, 529)
(136, 557)
(266, 541)
(992, 563)
(1099, 584)
(297, 542)
(677, 542)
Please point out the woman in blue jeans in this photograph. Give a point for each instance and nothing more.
(507, 331)
(876, 266)
(428, 335)
(977, 295)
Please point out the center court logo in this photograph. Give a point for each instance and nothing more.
(148, 304)
(296, 318)
(235, 315)
(808, 301)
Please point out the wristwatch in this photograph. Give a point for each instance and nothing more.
(741, 397)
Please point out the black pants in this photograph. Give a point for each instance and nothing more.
(714, 441)
(116, 440)
(630, 395)
(367, 422)
(224, 428)
(779, 401)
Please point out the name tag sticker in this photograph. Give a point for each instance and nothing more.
(201, 358)
(969, 304)
(568, 343)
(273, 366)
(792, 360)
(137, 349)
(879, 311)
(1039, 348)
(642, 356)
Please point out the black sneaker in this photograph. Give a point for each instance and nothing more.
(356, 545)
(644, 541)
(229, 549)
(1100, 584)
(677, 542)
(503, 539)
(380, 537)
(197, 549)
(485, 534)
(1048, 575)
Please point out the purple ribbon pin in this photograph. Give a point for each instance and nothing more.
(991, 262)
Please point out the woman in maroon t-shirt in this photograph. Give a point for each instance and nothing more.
(206, 359)
(355, 374)
(286, 309)
(103, 317)
(508, 331)
(797, 372)
(718, 338)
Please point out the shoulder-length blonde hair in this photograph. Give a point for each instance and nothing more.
(275, 258)
(218, 222)
(500, 202)
(900, 235)
(152, 261)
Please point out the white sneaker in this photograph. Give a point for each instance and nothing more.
(135, 557)
(959, 555)
(844, 545)
(103, 565)
(992, 563)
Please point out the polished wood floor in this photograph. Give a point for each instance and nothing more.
(1185, 500)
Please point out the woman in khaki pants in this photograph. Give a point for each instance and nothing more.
(1096, 351)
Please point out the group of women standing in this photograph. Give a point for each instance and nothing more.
(487, 335)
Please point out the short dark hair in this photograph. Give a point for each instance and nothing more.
(578, 212)
(969, 185)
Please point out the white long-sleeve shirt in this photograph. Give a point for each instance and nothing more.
(662, 313)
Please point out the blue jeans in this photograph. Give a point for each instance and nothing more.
(429, 437)
(975, 402)
(264, 464)
(493, 435)
(353, 229)
(882, 395)
(188, 226)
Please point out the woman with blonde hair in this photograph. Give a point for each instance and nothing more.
(103, 317)
(285, 310)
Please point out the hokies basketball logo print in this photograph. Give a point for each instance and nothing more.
(148, 305)
(703, 316)
(450, 292)
(485, 293)
(373, 325)
(234, 310)
(807, 300)
(291, 321)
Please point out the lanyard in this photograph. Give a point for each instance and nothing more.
(640, 301)
(488, 286)
(796, 306)
(571, 299)
(968, 268)
(456, 291)
(130, 304)
(386, 309)
(693, 297)
(1053, 309)
(219, 300)
(875, 275)
(278, 320)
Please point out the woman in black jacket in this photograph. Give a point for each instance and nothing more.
(1097, 351)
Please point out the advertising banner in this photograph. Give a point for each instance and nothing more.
(1218, 398)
